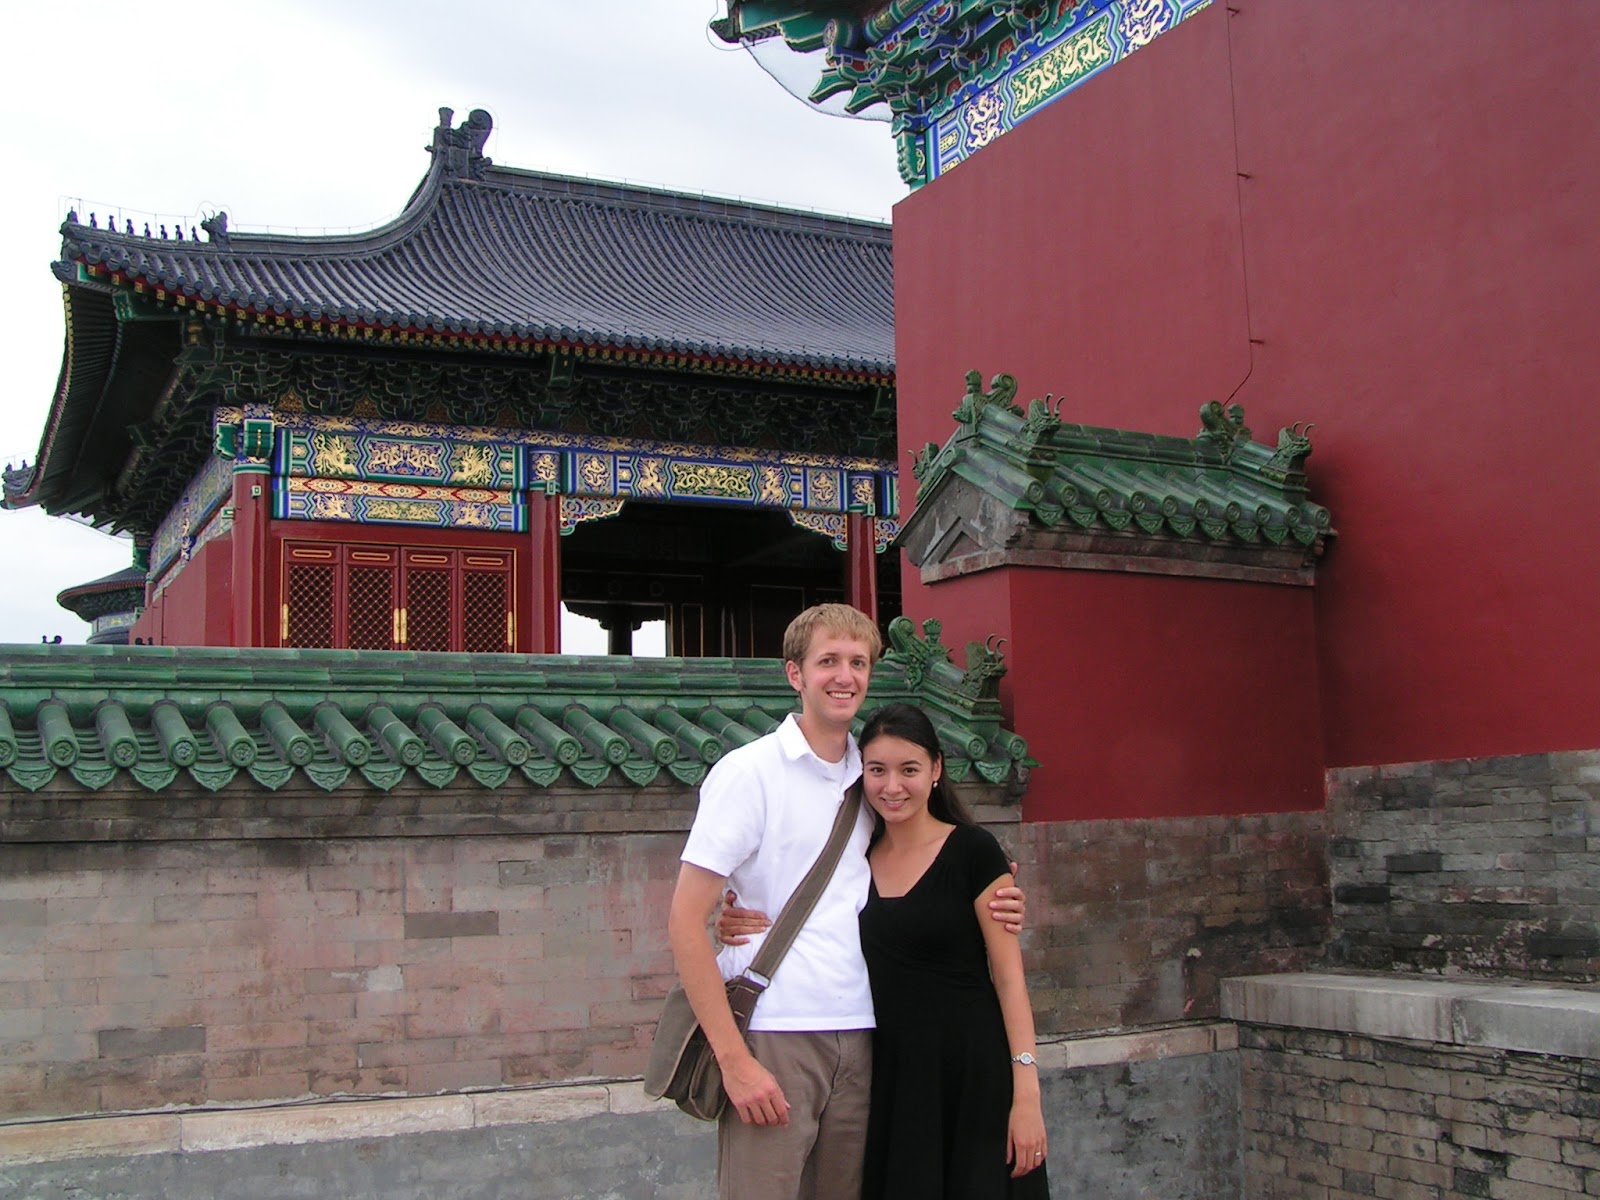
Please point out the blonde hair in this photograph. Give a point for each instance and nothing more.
(841, 620)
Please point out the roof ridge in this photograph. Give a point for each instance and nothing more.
(687, 203)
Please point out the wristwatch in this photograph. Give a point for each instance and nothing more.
(1025, 1059)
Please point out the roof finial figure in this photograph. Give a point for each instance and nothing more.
(460, 150)
(216, 227)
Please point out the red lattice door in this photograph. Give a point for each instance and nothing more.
(430, 617)
(388, 597)
(487, 622)
(369, 598)
(311, 579)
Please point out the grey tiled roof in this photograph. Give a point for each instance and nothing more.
(550, 259)
(120, 591)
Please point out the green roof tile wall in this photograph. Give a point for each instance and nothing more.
(93, 715)
(1050, 484)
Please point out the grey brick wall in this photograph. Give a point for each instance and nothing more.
(141, 974)
(1481, 866)
(1329, 1116)
(1136, 922)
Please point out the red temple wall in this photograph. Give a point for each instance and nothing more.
(1379, 220)
(194, 609)
(1160, 696)
(1150, 695)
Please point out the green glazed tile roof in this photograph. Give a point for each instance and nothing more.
(1134, 493)
(100, 716)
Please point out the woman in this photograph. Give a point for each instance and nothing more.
(951, 1116)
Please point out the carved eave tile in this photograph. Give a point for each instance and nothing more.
(499, 731)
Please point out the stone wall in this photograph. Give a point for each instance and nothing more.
(1479, 866)
(187, 949)
(143, 975)
(1129, 1117)
(1136, 922)
(1414, 1090)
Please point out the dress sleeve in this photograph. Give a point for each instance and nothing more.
(985, 860)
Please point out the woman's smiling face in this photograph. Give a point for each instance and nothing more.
(898, 777)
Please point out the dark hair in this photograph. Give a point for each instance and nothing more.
(911, 724)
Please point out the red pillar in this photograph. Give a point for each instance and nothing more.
(542, 575)
(861, 580)
(252, 509)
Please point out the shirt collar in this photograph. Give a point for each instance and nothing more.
(795, 747)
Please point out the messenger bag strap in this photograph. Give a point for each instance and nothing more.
(805, 896)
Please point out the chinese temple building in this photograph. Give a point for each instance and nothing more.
(1290, 724)
(109, 604)
(526, 390)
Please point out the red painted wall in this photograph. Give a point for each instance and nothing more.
(1093, 252)
(1378, 218)
(1159, 696)
(193, 610)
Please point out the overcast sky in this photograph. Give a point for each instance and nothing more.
(314, 116)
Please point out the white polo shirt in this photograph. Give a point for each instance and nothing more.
(765, 814)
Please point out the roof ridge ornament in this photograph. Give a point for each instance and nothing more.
(458, 151)
(970, 694)
(1223, 427)
(916, 653)
(1289, 459)
(1002, 390)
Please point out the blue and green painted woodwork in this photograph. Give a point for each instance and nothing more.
(956, 74)
(383, 472)
(451, 475)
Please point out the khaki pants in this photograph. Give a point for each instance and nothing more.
(827, 1080)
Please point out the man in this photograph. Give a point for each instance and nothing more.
(795, 1127)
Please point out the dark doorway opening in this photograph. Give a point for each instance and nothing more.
(727, 580)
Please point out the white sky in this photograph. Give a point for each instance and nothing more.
(315, 117)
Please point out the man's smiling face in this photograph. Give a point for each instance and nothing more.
(832, 679)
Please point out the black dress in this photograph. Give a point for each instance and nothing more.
(941, 1066)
